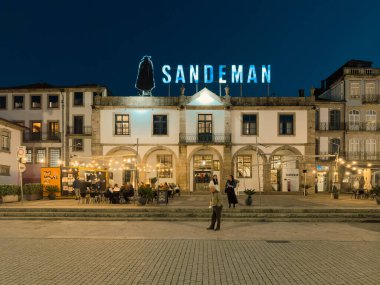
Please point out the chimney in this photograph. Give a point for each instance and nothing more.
(301, 92)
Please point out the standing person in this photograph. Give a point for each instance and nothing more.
(76, 186)
(214, 182)
(216, 203)
(230, 190)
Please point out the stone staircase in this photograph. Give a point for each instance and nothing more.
(162, 213)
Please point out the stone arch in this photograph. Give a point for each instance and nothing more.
(153, 149)
(121, 149)
(253, 148)
(191, 154)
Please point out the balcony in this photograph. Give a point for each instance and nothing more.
(39, 136)
(371, 98)
(366, 156)
(325, 156)
(325, 126)
(205, 138)
(363, 126)
(81, 130)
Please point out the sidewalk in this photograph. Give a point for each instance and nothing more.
(315, 201)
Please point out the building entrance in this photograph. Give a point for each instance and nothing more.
(202, 165)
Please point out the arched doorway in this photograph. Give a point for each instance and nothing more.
(123, 166)
(285, 173)
(248, 165)
(204, 162)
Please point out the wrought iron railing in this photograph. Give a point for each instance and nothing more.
(360, 155)
(325, 126)
(371, 98)
(205, 138)
(80, 130)
(363, 126)
(41, 136)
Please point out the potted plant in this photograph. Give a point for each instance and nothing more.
(249, 193)
(9, 193)
(33, 191)
(146, 194)
(375, 192)
(334, 192)
(52, 189)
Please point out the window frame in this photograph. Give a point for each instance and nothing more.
(165, 173)
(243, 164)
(116, 122)
(31, 102)
(256, 124)
(48, 101)
(83, 99)
(6, 134)
(6, 102)
(7, 169)
(23, 101)
(37, 161)
(75, 147)
(293, 125)
(49, 155)
(153, 125)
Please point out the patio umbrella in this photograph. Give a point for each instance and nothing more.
(367, 179)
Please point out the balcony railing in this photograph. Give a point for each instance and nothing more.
(363, 126)
(371, 98)
(81, 130)
(34, 136)
(366, 156)
(325, 156)
(325, 126)
(205, 138)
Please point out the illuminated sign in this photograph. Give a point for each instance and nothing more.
(234, 74)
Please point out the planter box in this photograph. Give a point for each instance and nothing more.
(33, 197)
(10, 198)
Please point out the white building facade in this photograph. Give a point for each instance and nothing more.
(266, 143)
(10, 140)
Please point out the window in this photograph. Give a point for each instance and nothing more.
(334, 146)
(53, 130)
(164, 166)
(204, 127)
(41, 155)
(53, 101)
(35, 101)
(317, 119)
(121, 124)
(201, 162)
(78, 125)
(78, 99)
(77, 144)
(160, 124)
(353, 145)
(334, 120)
(18, 102)
(370, 118)
(355, 90)
(36, 130)
(370, 146)
(5, 142)
(286, 125)
(354, 120)
(244, 166)
(370, 88)
(216, 165)
(249, 124)
(3, 102)
(29, 155)
(54, 157)
(5, 170)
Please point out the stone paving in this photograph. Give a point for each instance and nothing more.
(41, 252)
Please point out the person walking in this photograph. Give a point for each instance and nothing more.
(214, 182)
(76, 186)
(230, 190)
(216, 204)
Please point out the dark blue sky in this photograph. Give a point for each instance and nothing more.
(71, 43)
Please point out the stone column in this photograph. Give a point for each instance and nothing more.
(96, 147)
(309, 161)
(266, 177)
(183, 169)
(227, 168)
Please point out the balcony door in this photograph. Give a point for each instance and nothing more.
(36, 130)
(53, 130)
(204, 128)
(78, 125)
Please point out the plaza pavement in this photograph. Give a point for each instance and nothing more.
(184, 252)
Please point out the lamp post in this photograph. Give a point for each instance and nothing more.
(336, 166)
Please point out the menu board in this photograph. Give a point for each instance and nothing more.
(50, 176)
(68, 175)
(162, 197)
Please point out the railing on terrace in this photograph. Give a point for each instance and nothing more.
(363, 126)
(82, 130)
(361, 71)
(371, 98)
(366, 156)
(205, 138)
(324, 126)
(40, 136)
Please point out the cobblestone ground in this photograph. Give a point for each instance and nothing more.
(124, 261)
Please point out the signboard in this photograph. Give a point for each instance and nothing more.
(290, 179)
(51, 176)
(21, 152)
(162, 196)
(21, 167)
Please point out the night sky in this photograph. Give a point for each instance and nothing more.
(102, 42)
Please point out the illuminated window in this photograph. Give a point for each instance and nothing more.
(164, 166)
(160, 124)
(121, 124)
(244, 166)
(355, 90)
(249, 124)
(202, 162)
(286, 124)
(41, 155)
(36, 128)
(54, 157)
(216, 165)
(29, 155)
